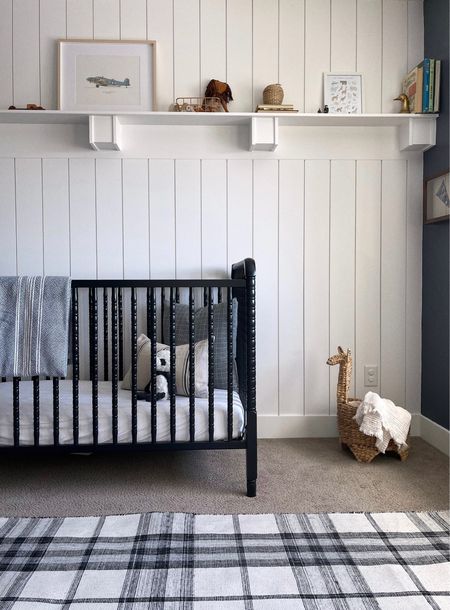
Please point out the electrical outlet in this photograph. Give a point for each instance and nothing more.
(370, 375)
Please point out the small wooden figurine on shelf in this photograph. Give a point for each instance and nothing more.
(217, 88)
(29, 107)
(403, 98)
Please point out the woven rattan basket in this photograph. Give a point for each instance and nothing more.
(362, 446)
(273, 95)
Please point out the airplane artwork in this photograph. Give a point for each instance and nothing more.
(102, 81)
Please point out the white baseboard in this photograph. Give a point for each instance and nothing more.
(312, 426)
(297, 426)
(436, 435)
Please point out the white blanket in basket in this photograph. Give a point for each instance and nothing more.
(381, 418)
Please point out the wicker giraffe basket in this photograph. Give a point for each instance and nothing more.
(362, 446)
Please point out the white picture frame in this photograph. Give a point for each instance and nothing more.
(343, 92)
(106, 75)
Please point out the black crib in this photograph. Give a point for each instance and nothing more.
(111, 309)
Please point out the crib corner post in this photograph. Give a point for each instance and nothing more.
(251, 454)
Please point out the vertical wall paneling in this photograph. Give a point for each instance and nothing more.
(55, 195)
(30, 260)
(6, 48)
(368, 267)
(83, 241)
(393, 280)
(52, 27)
(291, 49)
(316, 287)
(369, 52)
(414, 225)
(80, 19)
(240, 210)
(162, 218)
(265, 47)
(188, 217)
(136, 247)
(160, 28)
(106, 19)
(395, 51)
(342, 264)
(212, 41)
(415, 33)
(109, 218)
(214, 219)
(265, 227)
(26, 70)
(186, 48)
(337, 242)
(8, 224)
(317, 51)
(290, 291)
(239, 54)
(133, 19)
(83, 233)
(343, 35)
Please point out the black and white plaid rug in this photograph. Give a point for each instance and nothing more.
(387, 561)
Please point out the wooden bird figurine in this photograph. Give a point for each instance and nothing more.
(405, 103)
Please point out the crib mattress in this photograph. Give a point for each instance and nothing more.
(105, 415)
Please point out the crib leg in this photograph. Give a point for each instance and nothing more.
(251, 455)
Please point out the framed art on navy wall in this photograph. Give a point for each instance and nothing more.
(436, 198)
(112, 75)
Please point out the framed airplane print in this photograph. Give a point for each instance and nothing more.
(111, 75)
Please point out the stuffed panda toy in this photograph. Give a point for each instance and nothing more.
(163, 361)
(162, 378)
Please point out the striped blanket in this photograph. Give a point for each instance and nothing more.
(354, 561)
(34, 326)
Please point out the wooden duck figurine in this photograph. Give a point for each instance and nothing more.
(405, 109)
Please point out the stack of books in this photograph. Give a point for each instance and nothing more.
(275, 108)
(422, 86)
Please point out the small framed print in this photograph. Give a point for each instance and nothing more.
(342, 93)
(436, 198)
(111, 75)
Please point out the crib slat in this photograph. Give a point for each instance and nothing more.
(210, 365)
(230, 364)
(219, 295)
(114, 365)
(35, 380)
(172, 368)
(133, 366)
(205, 297)
(177, 294)
(55, 411)
(105, 334)
(191, 366)
(94, 352)
(162, 299)
(151, 333)
(120, 334)
(75, 364)
(16, 415)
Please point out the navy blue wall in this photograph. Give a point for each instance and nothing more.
(436, 253)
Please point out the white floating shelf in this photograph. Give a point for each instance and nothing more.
(416, 131)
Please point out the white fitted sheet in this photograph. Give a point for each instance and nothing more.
(105, 415)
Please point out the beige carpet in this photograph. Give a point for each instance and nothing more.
(295, 475)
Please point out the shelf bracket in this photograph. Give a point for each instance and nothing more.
(419, 135)
(263, 133)
(105, 132)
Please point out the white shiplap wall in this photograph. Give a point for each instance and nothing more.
(333, 218)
